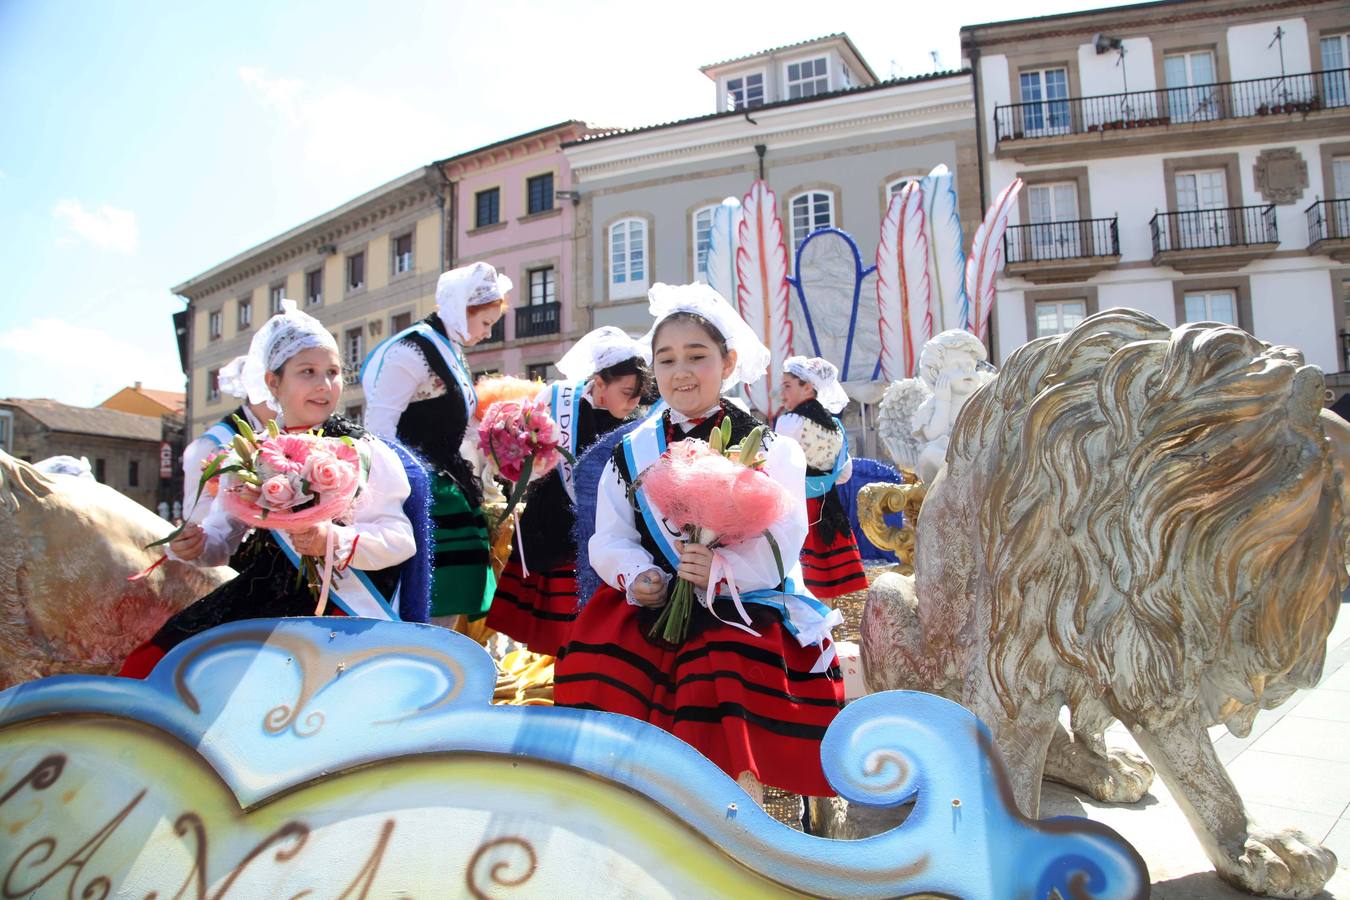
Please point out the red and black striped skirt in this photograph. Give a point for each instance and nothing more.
(747, 703)
(538, 610)
(831, 565)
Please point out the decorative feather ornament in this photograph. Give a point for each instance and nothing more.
(721, 265)
(946, 252)
(986, 258)
(904, 289)
(762, 290)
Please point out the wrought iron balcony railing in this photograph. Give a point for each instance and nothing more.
(498, 332)
(1052, 241)
(537, 319)
(1328, 220)
(1275, 96)
(1200, 229)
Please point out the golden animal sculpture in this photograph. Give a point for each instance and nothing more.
(1142, 523)
(67, 547)
(878, 500)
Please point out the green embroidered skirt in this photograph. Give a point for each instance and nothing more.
(462, 582)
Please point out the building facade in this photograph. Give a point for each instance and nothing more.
(125, 450)
(366, 270)
(145, 401)
(1188, 158)
(512, 206)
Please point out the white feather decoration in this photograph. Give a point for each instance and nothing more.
(946, 251)
(904, 295)
(721, 265)
(762, 290)
(986, 258)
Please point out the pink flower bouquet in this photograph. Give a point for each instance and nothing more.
(717, 496)
(522, 442)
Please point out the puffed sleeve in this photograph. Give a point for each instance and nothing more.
(790, 425)
(195, 508)
(391, 385)
(752, 561)
(223, 533)
(380, 534)
(615, 549)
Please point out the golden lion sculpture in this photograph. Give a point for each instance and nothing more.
(1143, 523)
(67, 547)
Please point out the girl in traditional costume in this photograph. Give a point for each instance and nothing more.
(419, 390)
(605, 375)
(813, 399)
(294, 360)
(755, 682)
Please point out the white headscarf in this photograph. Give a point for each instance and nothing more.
(606, 346)
(752, 357)
(230, 379)
(280, 337)
(459, 290)
(821, 375)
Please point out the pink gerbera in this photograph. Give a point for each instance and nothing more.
(285, 453)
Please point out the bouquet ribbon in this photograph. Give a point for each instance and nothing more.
(718, 572)
(327, 573)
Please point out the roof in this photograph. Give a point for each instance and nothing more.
(83, 420)
(566, 123)
(1097, 12)
(737, 113)
(820, 40)
(174, 400)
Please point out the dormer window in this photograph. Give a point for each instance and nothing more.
(807, 78)
(745, 91)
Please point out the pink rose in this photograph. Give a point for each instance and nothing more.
(281, 492)
(285, 453)
(327, 474)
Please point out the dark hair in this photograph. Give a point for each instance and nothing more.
(634, 365)
(692, 317)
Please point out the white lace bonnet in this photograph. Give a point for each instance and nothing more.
(821, 375)
(752, 357)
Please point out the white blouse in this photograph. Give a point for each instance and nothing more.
(792, 425)
(616, 550)
(379, 535)
(193, 456)
(405, 377)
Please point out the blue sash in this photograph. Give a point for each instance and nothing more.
(220, 434)
(565, 407)
(351, 589)
(449, 352)
(820, 485)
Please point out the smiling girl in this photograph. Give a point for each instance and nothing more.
(293, 362)
(753, 692)
(419, 390)
(605, 375)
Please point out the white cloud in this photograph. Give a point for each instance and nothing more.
(81, 365)
(107, 226)
(278, 93)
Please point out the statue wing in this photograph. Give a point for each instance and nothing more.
(895, 420)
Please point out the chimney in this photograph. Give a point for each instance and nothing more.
(138, 385)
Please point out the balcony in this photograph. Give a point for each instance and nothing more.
(1047, 252)
(498, 333)
(1285, 105)
(1203, 240)
(1329, 229)
(538, 319)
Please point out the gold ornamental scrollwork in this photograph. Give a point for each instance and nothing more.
(880, 499)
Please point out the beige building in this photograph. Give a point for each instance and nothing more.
(366, 270)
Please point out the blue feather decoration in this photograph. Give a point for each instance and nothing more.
(946, 252)
(722, 248)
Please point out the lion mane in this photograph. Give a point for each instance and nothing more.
(1160, 505)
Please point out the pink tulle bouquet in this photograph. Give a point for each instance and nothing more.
(522, 442)
(717, 495)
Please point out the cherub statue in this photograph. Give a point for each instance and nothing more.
(917, 414)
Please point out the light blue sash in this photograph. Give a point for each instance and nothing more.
(220, 434)
(565, 407)
(820, 485)
(351, 589)
(454, 361)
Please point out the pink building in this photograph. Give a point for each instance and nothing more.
(512, 204)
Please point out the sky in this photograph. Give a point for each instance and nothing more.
(142, 143)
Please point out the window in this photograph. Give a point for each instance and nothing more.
(543, 286)
(627, 258)
(1335, 56)
(134, 473)
(487, 207)
(1202, 197)
(399, 321)
(353, 349)
(212, 385)
(215, 324)
(810, 212)
(896, 186)
(539, 191)
(245, 313)
(1211, 306)
(356, 271)
(354, 412)
(1190, 86)
(537, 372)
(1045, 101)
(745, 92)
(6, 425)
(703, 225)
(101, 470)
(274, 295)
(1058, 316)
(1053, 210)
(807, 78)
(403, 253)
(314, 288)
